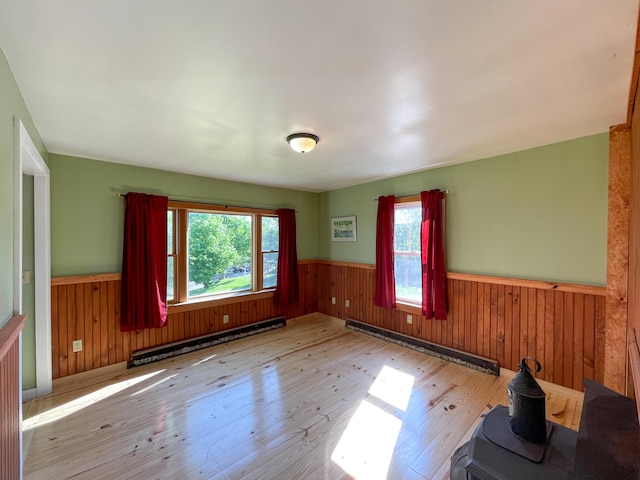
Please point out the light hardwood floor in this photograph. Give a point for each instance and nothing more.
(313, 400)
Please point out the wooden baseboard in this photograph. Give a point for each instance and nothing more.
(29, 394)
(316, 316)
(61, 385)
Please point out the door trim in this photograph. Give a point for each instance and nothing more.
(28, 161)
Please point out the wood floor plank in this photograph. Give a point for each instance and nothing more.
(313, 400)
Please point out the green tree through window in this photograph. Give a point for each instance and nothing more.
(211, 247)
(213, 250)
(407, 263)
(270, 236)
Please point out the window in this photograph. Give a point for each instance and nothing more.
(269, 251)
(215, 251)
(171, 255)
(406, 252)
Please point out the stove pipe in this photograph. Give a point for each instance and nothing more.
(527, 405)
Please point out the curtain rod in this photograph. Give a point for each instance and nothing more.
(444, 192)
(207, 202)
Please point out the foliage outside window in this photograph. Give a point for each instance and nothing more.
(269, 251)
(217, 251)
(171, 255)
(407, 262)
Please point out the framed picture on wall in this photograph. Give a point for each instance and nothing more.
(343, 229)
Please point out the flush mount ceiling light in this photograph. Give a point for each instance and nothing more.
(302, 142)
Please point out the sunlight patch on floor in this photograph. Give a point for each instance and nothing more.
(393, 387)
(78, 404)
(154, 385)
(204, 360)
(366, 447)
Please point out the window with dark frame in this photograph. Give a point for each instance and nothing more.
(215, 251)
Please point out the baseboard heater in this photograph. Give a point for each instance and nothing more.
(161, 352)
(451, 354)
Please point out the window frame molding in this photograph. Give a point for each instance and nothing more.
(403, 304)
(406, 304)
(181, 302)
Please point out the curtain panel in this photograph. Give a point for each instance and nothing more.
(144, 263)
(385, 286)
(434, 283)
(287, 288)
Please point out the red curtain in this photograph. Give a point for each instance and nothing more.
(144, 263)
(434, 284)
(287, 289)
(385, 285)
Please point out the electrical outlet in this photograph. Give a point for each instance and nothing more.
(333, 300)
(346, 303)
(409, 318)
(77, 345)
(225, 319)
(26, 277)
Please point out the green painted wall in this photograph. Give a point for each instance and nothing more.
(536, 214)
(87, 216)
(12, 105)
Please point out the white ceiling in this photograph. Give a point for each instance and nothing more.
(213, 88)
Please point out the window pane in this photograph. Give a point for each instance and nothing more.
(219, 253)
(170, 231)
(408, 270)
(408, 278)
(269, 234)
(170, 279)
(407, 228)
(269, 269)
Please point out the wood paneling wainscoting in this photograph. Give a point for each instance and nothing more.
(500, 318)
(505, 319)
(88, 308)
(10, 385)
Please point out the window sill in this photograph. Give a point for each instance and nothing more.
(208, 302)
(411, 308)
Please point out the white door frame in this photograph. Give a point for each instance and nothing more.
(28, 161)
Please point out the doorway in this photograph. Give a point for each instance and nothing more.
(28, 161)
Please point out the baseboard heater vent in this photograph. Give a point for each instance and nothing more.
(451, 354)
(155, 354)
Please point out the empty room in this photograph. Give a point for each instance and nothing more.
(352, 240)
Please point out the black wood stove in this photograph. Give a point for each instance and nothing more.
(495, 453)
(607, 446)
(518, 442)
